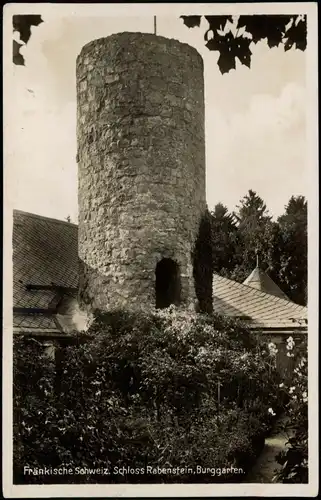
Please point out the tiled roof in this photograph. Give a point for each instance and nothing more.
(37, 322)
(265, 310)
(261, 281)
(45, 252)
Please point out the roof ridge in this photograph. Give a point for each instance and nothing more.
(255, 290)
(42, 217)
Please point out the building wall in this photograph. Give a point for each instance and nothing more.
(141, 163)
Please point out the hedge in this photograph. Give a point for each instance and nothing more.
(170, 389)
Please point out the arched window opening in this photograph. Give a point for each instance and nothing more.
(168, 284)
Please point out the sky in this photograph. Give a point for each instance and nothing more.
(255, 119)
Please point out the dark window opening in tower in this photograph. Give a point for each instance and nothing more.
(168, 284)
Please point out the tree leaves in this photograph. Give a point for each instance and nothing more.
(226, 62)
(275, 29)
(297, 34)
(191, 21)
(218, 22)
(230, 47)
(242, 50)
(252, 207)
(224, 44)
(270, 27)
(22, 24)
(16, 56)
(291, 31)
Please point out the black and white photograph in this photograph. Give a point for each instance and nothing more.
(160, 250)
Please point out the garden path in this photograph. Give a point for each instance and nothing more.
(266, 465)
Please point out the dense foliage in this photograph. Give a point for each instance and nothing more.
(293, 229)
(281, 246)
(203, 265)
(294, 459)
(169, 389)
(232, 38)
(22, 24)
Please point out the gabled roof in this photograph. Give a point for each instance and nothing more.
(265, 310)
(261, 281)
(45, 253)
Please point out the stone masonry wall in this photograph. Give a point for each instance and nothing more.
(141, 162)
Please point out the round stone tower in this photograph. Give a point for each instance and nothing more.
(141, 168)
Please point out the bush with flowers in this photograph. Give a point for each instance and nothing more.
(169, 389)
(294, 459)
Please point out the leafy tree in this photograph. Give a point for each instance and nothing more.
(252, 213)
(256, 233)
(260, 245)
(289, 31)
(296, 213)
(224, 236)
(294, 232)
(238, 239)
(272, 253)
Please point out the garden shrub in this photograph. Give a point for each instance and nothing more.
(202, 258)
(164, 390)
(294, 459)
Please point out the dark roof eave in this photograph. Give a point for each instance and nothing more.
(279, 329)
(43, 334)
